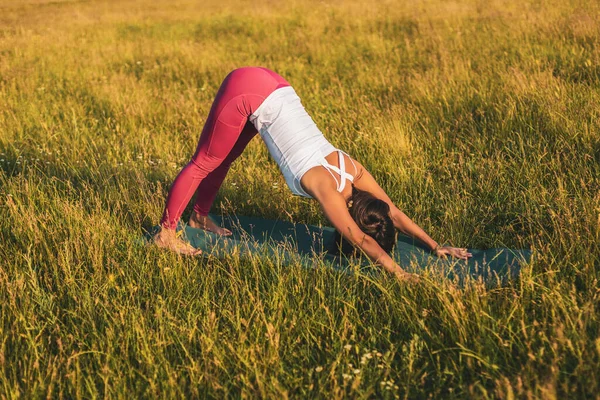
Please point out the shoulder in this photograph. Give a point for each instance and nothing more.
(318, 182)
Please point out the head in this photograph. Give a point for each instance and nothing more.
(372, 216)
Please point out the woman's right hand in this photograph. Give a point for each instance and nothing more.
(407, 277)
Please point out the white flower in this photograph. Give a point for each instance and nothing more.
(356, 371)
(348, 347)
(319, 369)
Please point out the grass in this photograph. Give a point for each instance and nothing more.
(480, 119)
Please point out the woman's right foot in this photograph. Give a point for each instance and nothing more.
(204, 222)
(167, 239)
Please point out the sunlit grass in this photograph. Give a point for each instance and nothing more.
(480, 119)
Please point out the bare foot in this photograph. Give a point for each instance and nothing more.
(167, 238)
(204, 222)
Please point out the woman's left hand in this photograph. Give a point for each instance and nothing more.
(455, 252)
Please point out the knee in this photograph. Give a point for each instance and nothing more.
(204, 165)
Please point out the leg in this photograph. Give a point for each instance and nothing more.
(239, 95)
(207, 191)
(206, 160)
(197, 169)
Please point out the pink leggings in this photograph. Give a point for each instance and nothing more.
(224, 137)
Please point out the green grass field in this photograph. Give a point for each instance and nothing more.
(481, 119)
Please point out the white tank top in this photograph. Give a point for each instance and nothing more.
(294, 140)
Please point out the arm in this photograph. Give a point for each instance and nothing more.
(403, 223)
(334, 207)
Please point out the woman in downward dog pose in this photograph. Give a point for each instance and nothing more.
(252, 100)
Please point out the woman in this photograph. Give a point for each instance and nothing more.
(252, 100)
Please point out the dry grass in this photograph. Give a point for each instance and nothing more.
(481, 119)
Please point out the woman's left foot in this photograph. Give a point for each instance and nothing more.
(204, 222)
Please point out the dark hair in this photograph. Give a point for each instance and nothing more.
(372, 215)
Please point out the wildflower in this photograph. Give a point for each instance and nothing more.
(348, 347)
(346, 376)
(378, 354)
(356, 371)
(319, 369)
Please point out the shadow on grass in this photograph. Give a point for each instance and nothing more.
(312, 246)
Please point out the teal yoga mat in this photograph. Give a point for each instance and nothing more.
(309, 245)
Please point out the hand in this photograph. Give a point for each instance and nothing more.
(404, 276)
(455, 252)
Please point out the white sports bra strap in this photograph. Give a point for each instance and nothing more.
(354, 165)
(337, 183)
(341, 184)
(343, 173)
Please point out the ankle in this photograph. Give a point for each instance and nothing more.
(165, 234)
(197, 217)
